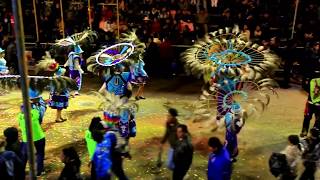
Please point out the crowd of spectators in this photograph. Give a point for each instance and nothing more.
(178, 20)
(168, 22)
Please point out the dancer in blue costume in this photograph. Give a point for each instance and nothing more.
(3, 63)
(139, 77)
(117, 82)
(234, 121)
(59, 100)
(74, 63)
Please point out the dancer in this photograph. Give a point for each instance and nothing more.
(74, 63)
(59, 100)
(3, 63)
(117, 82)
(234, 121)
(139, 77)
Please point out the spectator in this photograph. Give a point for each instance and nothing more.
(12, 141)
(246, 32)
(11, 166)
(72, 163)
(170, 135)
(257, 34)
(38, 138)
(183, 153)
(95, 125)
(310, 154)
(293, 155)
(219, 166)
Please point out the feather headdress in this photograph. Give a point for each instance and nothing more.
(227, 51)
(44, 78)
(114, 104)
(84, 39)
(218, 99)
(128, 50)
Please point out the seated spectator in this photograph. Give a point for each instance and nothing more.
(257, 34)
(293, 155)
(72, 163)
(246, 32)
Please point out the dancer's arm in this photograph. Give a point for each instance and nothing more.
(103, 87)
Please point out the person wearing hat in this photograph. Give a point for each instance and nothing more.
(234, 121)
(117, 82)
(3, 63)
(59, 100)
(74, 63)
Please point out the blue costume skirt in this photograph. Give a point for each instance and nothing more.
(77, 77)
(59, 101)
(139, 79)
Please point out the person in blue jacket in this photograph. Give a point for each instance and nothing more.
(219, 165)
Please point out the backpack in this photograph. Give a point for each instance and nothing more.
(278, 164)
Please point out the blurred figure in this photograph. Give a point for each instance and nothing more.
(95, 125)
(183, 153)
(71, 160)
(219, 165)
(170, 135)
(293, 155)
(311, 155)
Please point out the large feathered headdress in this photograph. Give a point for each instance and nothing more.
(43, 79)
(83, 39)
(127, 50)
(227, 51)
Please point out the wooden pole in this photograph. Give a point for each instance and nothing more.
(62, 19)
(19, 36)
(118, 20)
(36, 19)
(89, 11)
(294, 19)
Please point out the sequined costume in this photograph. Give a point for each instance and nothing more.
(74, 64)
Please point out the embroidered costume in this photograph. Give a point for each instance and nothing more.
(59, 99)
(74, 63)
(139, 74)
(3, 63)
